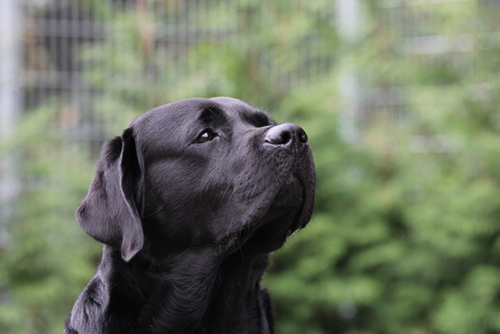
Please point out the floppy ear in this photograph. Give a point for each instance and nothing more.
(109, 213)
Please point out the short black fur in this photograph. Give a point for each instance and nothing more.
(188, 225)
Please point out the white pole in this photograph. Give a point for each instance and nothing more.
(349, 18)
(10, 107)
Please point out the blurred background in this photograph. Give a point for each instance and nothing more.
(400, 100)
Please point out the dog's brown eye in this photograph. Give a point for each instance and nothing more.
(205, 136)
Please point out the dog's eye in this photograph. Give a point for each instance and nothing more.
(205, 136)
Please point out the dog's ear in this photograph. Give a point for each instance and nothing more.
(110, 213)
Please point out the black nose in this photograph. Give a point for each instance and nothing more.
(287, 134)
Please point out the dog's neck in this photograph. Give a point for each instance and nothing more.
(194, 291)
(236, 295)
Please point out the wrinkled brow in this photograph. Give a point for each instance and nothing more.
(211, 115)
(256, 118)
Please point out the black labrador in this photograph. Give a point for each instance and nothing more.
(189, 201)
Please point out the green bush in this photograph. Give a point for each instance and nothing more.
(405, 235)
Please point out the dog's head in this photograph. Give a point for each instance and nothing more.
(213, 173)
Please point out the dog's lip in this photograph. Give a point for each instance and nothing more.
(307, 206)
(235, 239)
(299, 221)
(305, 178)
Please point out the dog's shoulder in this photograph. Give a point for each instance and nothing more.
(90, 305)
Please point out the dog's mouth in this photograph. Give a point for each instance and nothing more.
(233, 241)
(305, 213)
(289, 212)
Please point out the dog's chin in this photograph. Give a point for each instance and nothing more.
(292, 208)
(290, 211)
(307, 203)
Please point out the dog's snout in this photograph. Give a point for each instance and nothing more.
(287, 134)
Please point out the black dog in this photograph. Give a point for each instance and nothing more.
(189, 202)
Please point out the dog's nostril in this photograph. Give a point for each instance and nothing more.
(284, 138)
(303, 136)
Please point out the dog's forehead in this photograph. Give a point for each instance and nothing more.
(186, 111)
(231, 104)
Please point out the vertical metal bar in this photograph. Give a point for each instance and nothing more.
(349, 27)
(10, 107)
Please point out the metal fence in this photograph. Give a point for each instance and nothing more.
(58, 53)
(442, 36)
(46, 43)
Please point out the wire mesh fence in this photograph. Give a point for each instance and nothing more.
(97, 64)
(82, 59)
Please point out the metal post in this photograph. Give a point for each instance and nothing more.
(10, 107)
(349, 18)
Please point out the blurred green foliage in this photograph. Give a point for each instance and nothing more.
(48, 259)
(405, 236)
